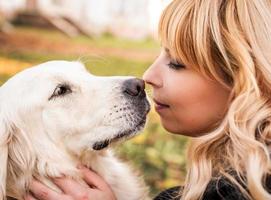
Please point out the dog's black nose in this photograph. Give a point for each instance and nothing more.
(134, 87)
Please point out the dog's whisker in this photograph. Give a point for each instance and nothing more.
(91, 60)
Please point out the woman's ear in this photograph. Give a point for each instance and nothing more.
(5, 135)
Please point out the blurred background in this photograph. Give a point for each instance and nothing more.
(111, 37)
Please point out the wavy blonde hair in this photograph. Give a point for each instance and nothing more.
(228, 41)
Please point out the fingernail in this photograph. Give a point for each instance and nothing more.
(59, 177)
(80, 166)
(26, 196)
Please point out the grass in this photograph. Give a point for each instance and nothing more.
(158, 155)
(105, 40)
(103, 66)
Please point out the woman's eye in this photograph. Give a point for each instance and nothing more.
(175, 65)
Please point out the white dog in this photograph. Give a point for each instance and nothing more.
(57, 115)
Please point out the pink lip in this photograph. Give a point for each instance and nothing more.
(160, 106)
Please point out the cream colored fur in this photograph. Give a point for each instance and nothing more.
(43, 136)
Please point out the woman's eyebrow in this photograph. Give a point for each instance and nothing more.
(166, 50)
(170, 56)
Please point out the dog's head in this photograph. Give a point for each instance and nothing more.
(59, 104)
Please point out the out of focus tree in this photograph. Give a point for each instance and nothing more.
(36, 15)
(32, 5)
(5, 26)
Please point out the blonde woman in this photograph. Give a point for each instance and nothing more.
(212, 82)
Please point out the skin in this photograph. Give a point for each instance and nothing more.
(98, 189)
(188, 104)
(194, 104)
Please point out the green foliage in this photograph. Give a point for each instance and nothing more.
(3, 78)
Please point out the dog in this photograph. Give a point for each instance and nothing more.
(57, 115)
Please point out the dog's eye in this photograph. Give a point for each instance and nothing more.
(61, 90)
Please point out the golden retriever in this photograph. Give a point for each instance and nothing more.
(57, 115)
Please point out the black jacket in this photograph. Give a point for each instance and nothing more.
(219, 189)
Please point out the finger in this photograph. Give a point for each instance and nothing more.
(42, 192)
(93, 179)
(29, 197)
(72, 188)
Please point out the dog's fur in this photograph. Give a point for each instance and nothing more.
(57, 115)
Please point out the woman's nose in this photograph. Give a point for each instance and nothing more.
(146, 77)
(151, 76)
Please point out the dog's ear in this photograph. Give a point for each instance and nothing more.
(5, 135)
(15, 157)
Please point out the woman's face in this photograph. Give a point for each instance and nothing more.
(187, 102)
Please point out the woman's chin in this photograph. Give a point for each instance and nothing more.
(178, 130)
(172, 129)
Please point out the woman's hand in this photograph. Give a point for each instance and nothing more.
(98, 189)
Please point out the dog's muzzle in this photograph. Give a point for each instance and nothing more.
(133, 91)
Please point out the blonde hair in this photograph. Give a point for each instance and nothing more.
(228, 41)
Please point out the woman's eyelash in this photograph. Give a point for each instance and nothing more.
(175, 65)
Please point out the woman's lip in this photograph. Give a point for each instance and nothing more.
(159, 105)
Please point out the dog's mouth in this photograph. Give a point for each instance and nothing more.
(123, 135)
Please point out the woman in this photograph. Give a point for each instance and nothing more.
(212, 81)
